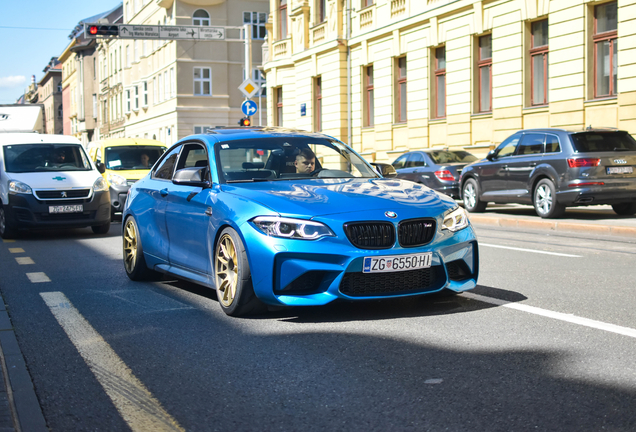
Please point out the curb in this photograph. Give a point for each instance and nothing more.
(23, 406)
(556, 226)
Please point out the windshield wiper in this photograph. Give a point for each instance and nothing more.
(621, 149)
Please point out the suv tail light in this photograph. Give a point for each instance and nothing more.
(584, 162)
(444, 175)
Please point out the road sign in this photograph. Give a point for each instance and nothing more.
(129, 31)
(249, 108)
(249, 88)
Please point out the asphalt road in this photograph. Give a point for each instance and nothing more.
(546, 341)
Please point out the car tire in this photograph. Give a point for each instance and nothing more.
(232, 276)
(545, 202)
(7, 229)
(101, 229)
(470, 196)
(624, 209)
(134, 261)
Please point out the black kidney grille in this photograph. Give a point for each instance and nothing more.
(393, 283)
(371, 235)
(416, 232)
(63, 194)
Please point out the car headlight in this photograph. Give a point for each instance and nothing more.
(100, 185)
(17, 187)
(117, 180)
(291, 228)
(456, 220)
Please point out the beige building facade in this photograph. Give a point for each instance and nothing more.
(50, 95)
(396, 75)
(168, 89)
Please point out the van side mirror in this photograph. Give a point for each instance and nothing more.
(385, 170)
(491, 155)
(100, 167)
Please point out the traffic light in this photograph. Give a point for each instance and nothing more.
(102, 30)
(245, 122)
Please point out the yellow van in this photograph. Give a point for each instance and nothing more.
(123, 161)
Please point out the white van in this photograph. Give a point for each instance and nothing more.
(48, 181)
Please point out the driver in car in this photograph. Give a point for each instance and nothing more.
(59, 157)
(305, 161)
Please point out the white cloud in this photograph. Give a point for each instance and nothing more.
(12, 82)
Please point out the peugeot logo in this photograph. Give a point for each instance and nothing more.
(4, 116)
(620, 161)
(390, 214)
(64, 194)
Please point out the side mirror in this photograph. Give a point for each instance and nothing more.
(491, 155)
(385, 170)
(194, 176)
(100, 167)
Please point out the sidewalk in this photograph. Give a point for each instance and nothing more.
(593, 220)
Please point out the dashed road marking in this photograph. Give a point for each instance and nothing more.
(599, 325)
(135, 403)
(38, 277)
(530, 250)
(24, 260)
(16, 250)
(8, 241)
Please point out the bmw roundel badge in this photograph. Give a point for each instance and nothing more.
(390, 214)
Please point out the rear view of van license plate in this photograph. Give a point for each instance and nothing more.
(66, 209)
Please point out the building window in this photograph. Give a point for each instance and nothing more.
(367, 3)
(155, 97)
(136, 98)
(484, 65)
(605, 49)
(173, 84)
(439, 67)
(401, 89)
(159, 89)
(127, 101)
(259, 78)
(145, 94)
(257, 20)
(200, 18)
(201, 129)
(166, 83)
(282, 19)
(60, 111)
(94, 106)
(322, 11)
(318, 104)
(539, 63)
(202, 81)
(278, 94)
(369, 118)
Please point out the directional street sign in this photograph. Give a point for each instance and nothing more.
(249, 88)
(129, 31)
(249, 108)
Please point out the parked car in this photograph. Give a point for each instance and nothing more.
(48, 181)
(279, 217)
(123, 161)
(438, 169)
(555, 168)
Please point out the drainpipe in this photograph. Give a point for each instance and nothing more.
(348, 36)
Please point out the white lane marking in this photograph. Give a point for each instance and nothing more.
(8, 241)
(134, 402)
(16, 250)
(38, 277)
(24, 260)
(599, 325)
(530, 250)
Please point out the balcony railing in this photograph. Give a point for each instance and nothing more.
(398, 7)
(319, 33)
(366, 19)
(281, 49)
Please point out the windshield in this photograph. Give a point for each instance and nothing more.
(289, 158)
(132, 157)
(587, 142)
(22, 158)
(451, 156)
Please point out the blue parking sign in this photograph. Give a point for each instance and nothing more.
(249, 108)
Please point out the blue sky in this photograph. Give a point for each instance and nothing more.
(33, 31)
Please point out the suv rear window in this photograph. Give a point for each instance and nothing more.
(588, 142)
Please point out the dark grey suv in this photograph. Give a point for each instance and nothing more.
(553, 169)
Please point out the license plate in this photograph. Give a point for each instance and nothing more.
(620, 170)
(78, 208)
(396, 263)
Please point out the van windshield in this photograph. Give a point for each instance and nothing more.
(22, 158)
(132, 157)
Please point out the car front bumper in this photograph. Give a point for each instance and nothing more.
(118, 195)
(306, 273)
(25, 211)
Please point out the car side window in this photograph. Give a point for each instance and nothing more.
(400, 162)
(193, 155)
(165, 168)
(508, 146)
(552, 144)
(415, 160)
(531, 144)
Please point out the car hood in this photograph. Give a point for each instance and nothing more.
(129, 174)
(320, 197)
(57, 179)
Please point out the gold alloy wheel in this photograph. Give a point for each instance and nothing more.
(226, 267)
(130, 246)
